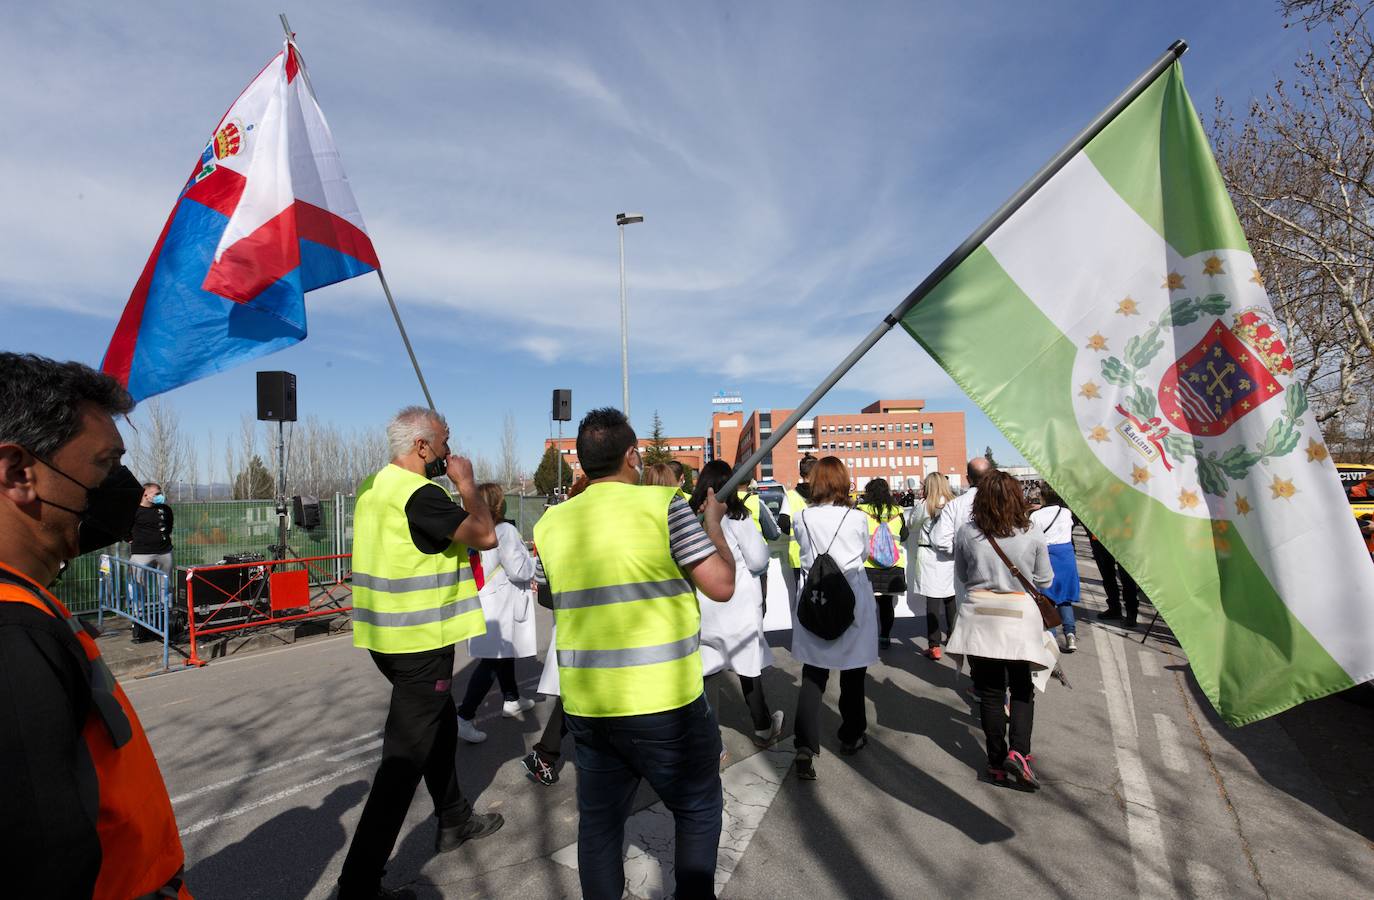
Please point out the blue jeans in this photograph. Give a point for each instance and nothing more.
(1066, 613)
(678, 752)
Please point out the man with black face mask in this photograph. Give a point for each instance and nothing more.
(74, 752)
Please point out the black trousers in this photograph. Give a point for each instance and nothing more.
(853, 713)
(420, 741)
(1116, 581)
(887, 614)
(550, 743)
(501, 670)
(933, 607)
(752, 688)
(991, 678)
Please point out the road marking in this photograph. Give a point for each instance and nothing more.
(279, 795)
(370, 745)
(1149, 663)
(206, 789)
(749, 786)
(1142, 819)
(1170, 747)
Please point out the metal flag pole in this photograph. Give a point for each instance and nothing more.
(961, 253)
(386, 289)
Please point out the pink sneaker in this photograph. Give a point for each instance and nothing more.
(1019, 772)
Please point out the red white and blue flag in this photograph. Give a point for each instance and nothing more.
(266, 215)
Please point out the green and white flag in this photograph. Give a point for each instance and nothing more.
(1117, 331)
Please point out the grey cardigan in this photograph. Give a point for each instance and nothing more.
(979, 568)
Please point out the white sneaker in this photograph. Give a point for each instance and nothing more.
(512, 708)
(765, 737)
(468, 731)
(1070, 643)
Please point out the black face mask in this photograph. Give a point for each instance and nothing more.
(110, 507)
(436, 467)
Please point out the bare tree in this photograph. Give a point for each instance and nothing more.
(511, 473)
(1301, 172)
(158, 452)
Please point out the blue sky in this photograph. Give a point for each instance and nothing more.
(801, 167)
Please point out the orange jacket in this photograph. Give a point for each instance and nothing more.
(140, 850)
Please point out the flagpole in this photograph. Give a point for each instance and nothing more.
(961, 253)
(386, 288)
(404, 338)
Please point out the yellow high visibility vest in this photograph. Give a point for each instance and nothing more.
(405, 600)
(893, 525)
(627, 615)
(795, 504)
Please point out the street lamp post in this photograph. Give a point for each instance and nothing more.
(621, 220)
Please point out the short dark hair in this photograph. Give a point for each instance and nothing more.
(41, 398)
(148, 484)
(714, 474)
(676, 467)
(878, 494)
(808, 462)
(603, 437)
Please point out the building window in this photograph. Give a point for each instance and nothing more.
(927, 444)
(927, 428)
(865, 427)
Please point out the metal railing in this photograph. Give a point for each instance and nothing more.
(139, 593)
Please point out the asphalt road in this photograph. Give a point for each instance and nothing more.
(269, 757)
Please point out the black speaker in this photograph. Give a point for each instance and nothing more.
(306, 512)
(562, 405)
(276, 397)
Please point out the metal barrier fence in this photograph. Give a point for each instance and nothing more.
(239, 596)
(205, 532)
(139, 593)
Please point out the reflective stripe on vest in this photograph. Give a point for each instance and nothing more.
(140, 851)
(621, 593)
(634, 656)
(405, 600)
(628, 620)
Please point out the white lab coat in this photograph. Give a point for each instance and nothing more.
(930, 571)
(507, 599)
(857, 647)
(732, 632)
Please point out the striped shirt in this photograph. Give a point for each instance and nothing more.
(687, 539)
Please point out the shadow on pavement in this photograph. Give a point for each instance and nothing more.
(1330, 734)
(283, 857)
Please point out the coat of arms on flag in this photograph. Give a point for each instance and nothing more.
(1237, 366)
(266, 216)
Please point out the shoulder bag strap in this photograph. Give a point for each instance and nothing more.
(1025, 583)
(837, 530)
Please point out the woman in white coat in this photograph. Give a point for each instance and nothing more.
(508, 604)
(831, 525)
(732, 636)
(930, 576)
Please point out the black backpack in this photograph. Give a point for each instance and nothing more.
(825, 606)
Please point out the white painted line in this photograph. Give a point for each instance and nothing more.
(749, 786)
(209, 788)
(279, 795)
(1143, 826)
(1149, 663)
(370, 745)
(1170, 747)
(1206, 882)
